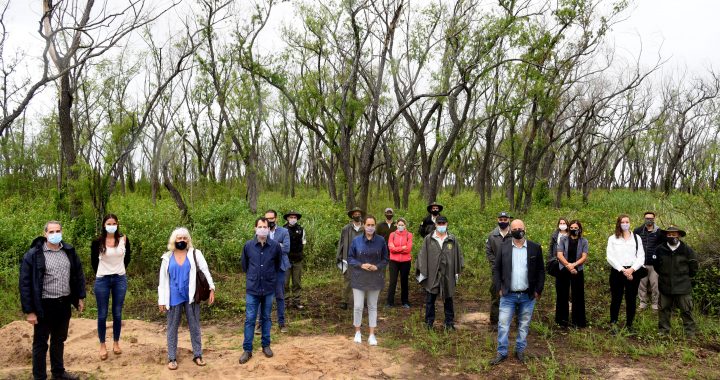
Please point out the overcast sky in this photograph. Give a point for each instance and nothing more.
(686, 33)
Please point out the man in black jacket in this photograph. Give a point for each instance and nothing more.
(494, 242)
(297, 244)
(651, 237)
(428, 224)
(519, 278)
(676, 264)
(51, 280)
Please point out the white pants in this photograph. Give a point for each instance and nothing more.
(359, 300)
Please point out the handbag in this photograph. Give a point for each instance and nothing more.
(552, 267)
(202, 286)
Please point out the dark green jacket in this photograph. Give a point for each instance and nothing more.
(675, 268)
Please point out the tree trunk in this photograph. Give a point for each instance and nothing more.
(67, 143)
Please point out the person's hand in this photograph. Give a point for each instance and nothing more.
(404, 247)
(162, 308)
(81, 305)
(365, 266)
(573, 271)
(32, 318)
(373, 268)
(571, 266)
(537, 296)
(211, 300)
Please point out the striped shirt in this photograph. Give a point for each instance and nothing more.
(56, 282)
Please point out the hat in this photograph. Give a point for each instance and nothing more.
(441, 219)
(292, 212)
(503, 214)
(673, 228)
(349, 213)
(389, 210)
(434, 204)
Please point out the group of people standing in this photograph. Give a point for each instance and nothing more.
(52, 279)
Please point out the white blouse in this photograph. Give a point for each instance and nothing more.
(113, 260)
(621, 253)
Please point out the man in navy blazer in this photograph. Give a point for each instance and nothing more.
(282, 236)
(519, 279)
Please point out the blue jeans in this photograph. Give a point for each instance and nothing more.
(280, 297)
(252, 304)
(525, 307)
(104, 286)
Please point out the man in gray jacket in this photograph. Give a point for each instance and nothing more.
(438, 268)
(497, 237)
(351, 230)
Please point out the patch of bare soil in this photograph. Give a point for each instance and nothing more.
(145, 356)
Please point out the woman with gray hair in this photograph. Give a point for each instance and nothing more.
(177, 289)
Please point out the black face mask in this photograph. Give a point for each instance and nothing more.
(503, 225)
(575, 232)
(518, 234)
(181, 245)
(435, 212)
(271, 225)
(357, 218)
(649, 222)
(389, 216)
(673, 240)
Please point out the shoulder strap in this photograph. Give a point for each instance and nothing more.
(195, 259)
(636, 243)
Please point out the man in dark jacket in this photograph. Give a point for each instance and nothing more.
(386, 227)
(261, 262)
(297, 245)
(651, 237)
(428, 224)
(519, 279)
(351, 230)
(51, 281)
(675, 263)
(438, 269)
(497, 237)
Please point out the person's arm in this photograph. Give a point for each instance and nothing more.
(420, 263)
(409, 243)
(163, 287)
(26, 288)
(391, 244)
(692, 261)
(126, 260)
(584, 255)
(460, 259)
(244, 259)
(640, 256)
(497, 272)
(285, 246)
(95, 255)
(540, 270)
(489, 254)
(80, 275)
(610, 255)
(352, 256)
(341, 244)
(560, 252)
(304, 241)
(278, 258)
(384, 258)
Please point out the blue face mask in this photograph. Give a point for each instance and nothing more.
(442, 229)
(111, 229)
(55, 238)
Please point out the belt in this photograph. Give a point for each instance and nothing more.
(519, 291)
(63, 299)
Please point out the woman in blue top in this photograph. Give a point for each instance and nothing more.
(177, 290)
(367, 259)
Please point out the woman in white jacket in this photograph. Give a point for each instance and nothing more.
(626, 256)
(176, 291)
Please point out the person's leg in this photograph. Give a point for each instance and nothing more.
(58, 334)
(526, 306)
(119, 289)
(507, 310)
(404, 286)
(265, 311)
(252, 304)
(192, 313)
(494, 305)
(372, 301)
(102, 296)
(358, 304)
(430, 308)
(41, 334)
(289, 294)
(562, 295)
(347, 297)
(297, 282)
(394, 270)
(280, 298)
(643, 288)
(653, 284)
(631, 289)
(665, 313)
(685, 303)
(617, 286)
(449, 310)
(577, 284)
(174, 314)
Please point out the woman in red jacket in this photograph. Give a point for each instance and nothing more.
(400, 244)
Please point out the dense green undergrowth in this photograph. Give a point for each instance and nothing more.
(221, 223)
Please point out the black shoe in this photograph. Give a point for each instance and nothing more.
(499, 358)
(389, 305)
(630, 330)
(450, 327)
(429, 326)
(65, 376)
(520, 356)
(406, 305)
(267, 351)
(245, 357)
(344, 305)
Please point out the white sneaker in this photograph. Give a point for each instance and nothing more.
(358, 337)
(654, 306)
(643, 306)
(372, 341)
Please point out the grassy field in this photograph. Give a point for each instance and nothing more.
(222, 222)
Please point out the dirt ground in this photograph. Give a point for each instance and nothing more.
(145, 357)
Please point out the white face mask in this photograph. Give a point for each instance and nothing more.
(110, 228)
(292, 221)
(625, 226)
(262, 231)
(401, 228)
(562, 227)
